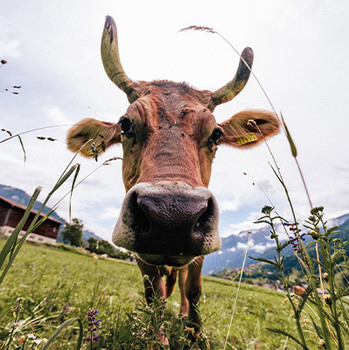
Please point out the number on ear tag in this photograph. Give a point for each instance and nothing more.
(251, 136)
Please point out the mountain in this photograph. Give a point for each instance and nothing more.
(266, 274)
(233, 250)
(21, 197)
(338, 221)
(259, 245)
(291, 261)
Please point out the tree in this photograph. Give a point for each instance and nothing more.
(92, 245)
(100, 247)
(104, 247)
(72, 233)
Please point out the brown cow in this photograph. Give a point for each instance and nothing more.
(169, 218)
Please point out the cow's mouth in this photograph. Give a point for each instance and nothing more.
(160, 260)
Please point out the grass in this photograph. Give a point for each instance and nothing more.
(67, 285)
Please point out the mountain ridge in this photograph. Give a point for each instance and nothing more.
(257, 241)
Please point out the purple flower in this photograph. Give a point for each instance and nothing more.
(93, 325)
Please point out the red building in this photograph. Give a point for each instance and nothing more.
(11, 214)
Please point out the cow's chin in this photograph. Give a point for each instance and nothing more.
(161, 260)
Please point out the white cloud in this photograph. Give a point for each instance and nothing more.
(229, 205)
(248, 224)
(110, 213)
(56, 115)
(258, 248)
(8, 47)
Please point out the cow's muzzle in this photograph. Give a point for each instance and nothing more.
(168, 223)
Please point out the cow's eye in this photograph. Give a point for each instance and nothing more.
(126, 126)
(215, 136)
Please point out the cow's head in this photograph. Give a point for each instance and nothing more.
(169, 137)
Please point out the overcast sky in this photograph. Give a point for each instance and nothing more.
(301, 58)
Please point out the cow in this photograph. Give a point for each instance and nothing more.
(169, 217)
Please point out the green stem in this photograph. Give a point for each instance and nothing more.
(310, 272)
(284, 280)
(332, 288)
(36, 129)
(304, 183)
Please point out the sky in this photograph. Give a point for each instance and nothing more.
(52, 49)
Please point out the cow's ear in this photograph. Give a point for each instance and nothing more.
(101, 134)
(248, 128)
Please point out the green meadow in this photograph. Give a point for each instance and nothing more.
(58, 283)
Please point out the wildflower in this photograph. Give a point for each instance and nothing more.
(295, 242)
(17, 308)
(23, 338)
(189, 330)
(267, 209)
(93, 325)
(328, 299)
(317, 211)
(314, 235)
(64, 312)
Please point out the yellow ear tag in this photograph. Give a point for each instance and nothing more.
(251, 136)
(95, 150)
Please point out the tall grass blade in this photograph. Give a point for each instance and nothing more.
(23, 149)
(237, 295)
(59, 330)
(318, 330)
(64, 177)
(11, 241)
(36, 222)
(32, 130)
(289, 138)
(72, 189)
(294, 154)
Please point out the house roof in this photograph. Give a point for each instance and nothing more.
(23, 207)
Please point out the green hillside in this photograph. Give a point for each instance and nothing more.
(67, 284)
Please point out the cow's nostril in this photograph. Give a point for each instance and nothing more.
(203, 223)
(141, 222)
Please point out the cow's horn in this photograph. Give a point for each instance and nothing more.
(111, 60)
(230, 90)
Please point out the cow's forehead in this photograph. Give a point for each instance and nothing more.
(171, 103)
